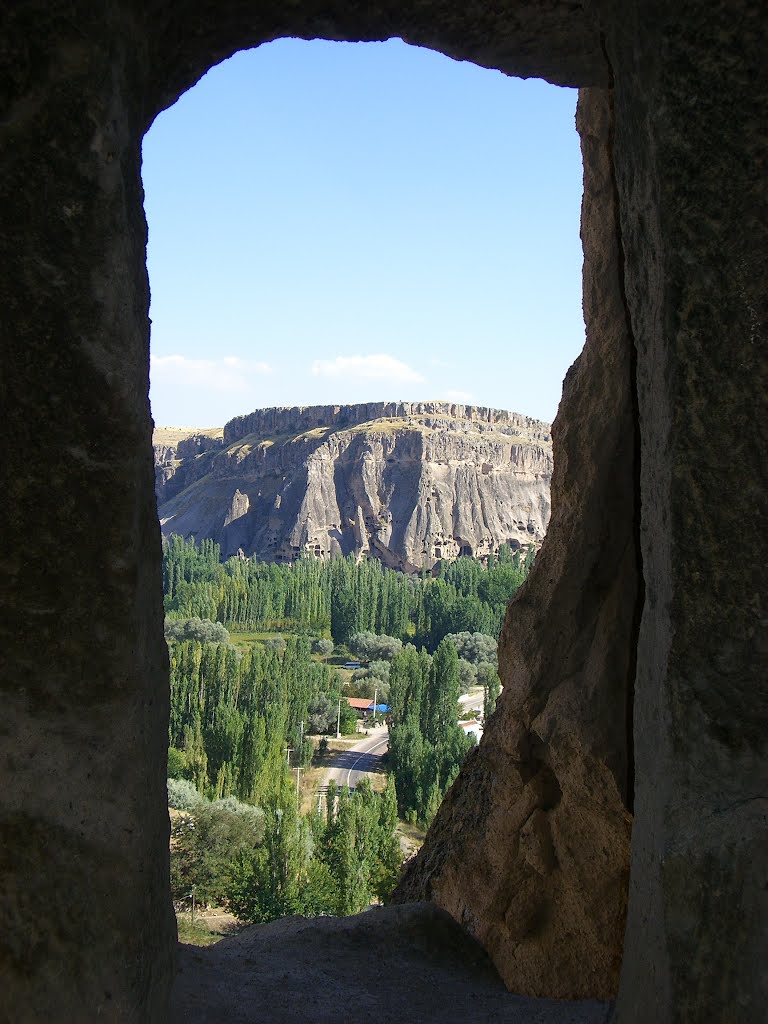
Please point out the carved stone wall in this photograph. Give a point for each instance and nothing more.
(85, 926)
(691, 94)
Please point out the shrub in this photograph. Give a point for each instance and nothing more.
(183, 796)
(380, 669)
(323, 646)
(276, 643)
(370, 646)
(253, 815)
(322, 715)
(474, 647)
(202, 630)
(205, 844)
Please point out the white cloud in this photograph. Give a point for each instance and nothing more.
(373, 367)
(462, 397)
(230, 373)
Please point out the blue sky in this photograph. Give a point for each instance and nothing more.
(337, 222)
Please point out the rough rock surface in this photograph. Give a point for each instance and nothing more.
(86, 927)
(174, 446)
(392, 965)
(410, 483)
(691, 152)
(530, 850)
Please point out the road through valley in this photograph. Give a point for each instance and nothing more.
(363, 759)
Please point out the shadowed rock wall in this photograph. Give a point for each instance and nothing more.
(530, 850)
(691, 152)
(85, 926)
(86, 930)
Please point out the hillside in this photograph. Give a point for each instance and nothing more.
(409, 483)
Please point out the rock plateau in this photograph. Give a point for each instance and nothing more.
(408, 483)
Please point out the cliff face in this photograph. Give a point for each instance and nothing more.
(176, 447)
(410, 483)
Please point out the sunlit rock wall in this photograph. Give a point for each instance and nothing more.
(411, 484)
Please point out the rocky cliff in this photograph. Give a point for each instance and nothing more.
(409, 483)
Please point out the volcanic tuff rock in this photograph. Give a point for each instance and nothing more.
(404, 963)
(539, 873)
(410, 483)
(176, 445)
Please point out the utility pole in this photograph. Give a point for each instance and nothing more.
(338, 721)
(375, 694)
(298, 769)
(288, 752)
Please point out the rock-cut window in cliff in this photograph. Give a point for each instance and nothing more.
(365, 271)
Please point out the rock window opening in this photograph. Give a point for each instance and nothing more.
(334, 291)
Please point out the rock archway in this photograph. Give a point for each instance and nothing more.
(675, 238)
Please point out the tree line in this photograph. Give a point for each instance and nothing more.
(341, 597)
(240, 718)
(241, 840)
(269, 862)
(234, 716)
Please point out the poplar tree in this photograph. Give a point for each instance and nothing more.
(440, 711)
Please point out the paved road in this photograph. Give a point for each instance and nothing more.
(472, 701)
(364, 758)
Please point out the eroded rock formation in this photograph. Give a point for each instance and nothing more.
(410, 483)
(538, 871)
(177, 446)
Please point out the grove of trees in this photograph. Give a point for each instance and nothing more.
(339, 598)
(271, 862)
(426, 744)
(234, 715)
(241, 714)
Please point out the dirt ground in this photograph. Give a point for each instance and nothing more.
(391, 965)
(209, 926)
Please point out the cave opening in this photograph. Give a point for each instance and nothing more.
(208, 174)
